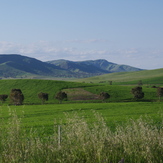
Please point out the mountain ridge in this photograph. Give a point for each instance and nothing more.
(102, 64)
(16, 66)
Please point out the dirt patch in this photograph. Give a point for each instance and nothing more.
(80, 94)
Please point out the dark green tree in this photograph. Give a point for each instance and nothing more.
(3, 98)
(137, 92)
(104, 96)
(159, 92)
(16, 96)
(43, 96)
(61, 96)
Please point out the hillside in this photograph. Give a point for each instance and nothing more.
(76, 91)
(147, 76)
(31, 88)
(14, 65)
(99, 66)
(18, 66)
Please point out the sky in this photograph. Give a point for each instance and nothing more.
(126, 32)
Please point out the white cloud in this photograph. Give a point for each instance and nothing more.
(143, 58)
(88, 41)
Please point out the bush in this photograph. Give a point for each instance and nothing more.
(137, 92)
(43, 96)
(3, 98)
(104, 96)
(16, 96)
(61, 96)
(159, 92)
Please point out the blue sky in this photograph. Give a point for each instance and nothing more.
(124, 32)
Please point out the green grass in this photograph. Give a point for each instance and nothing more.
(31, 88)
(123, 93)
(93, 133)
(147, 76)
(90, 132)
(45, 115)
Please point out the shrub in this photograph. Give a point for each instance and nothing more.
(16, 97)
(104, 96)
(3, 97)
(61, 96)
(159, 92)
(137, 92)
(43, 97)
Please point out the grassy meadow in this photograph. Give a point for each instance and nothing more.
(31, 87)
(83, 128)
(89, 132)
(147, 76)
(113, 113)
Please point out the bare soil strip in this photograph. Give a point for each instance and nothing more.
(80, 94)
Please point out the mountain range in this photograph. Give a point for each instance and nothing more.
(16, 66)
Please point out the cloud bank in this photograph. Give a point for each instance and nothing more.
(45, 51)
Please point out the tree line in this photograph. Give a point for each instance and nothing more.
(16, 96)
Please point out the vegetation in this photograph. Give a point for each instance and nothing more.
(146, 76)
(87, 130)
(18, 66)
(136, 141)
(73, 90)
(137, 92)
(104, 96)
(140, 83)
(16, 97)
(42, 133)
(36, 116)
(31, 88)
(61, 96)
(159, 92)
(3, 98)
(43, 97)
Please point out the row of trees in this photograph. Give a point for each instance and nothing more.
(139, 94)
(16, 96)
(60, 96)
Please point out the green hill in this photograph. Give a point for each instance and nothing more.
(18, 66)
(87, 93)
(147, 77)
(92, 67)
(31, 87)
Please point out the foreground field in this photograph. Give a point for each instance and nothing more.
(92, 133)
(82, 129)
(114, 113)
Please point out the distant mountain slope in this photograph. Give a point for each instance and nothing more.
(147, 76)
(93, 66)
(14, 65)
(80, 67)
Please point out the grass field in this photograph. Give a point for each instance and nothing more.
(82, 129)
(93, 133)
(147, 77)
(113, 113)
(31, 88)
